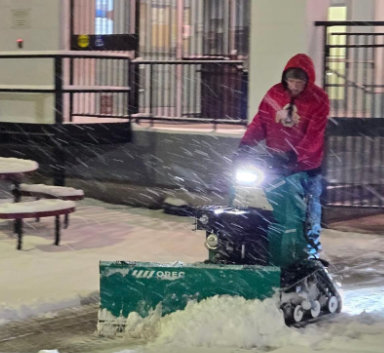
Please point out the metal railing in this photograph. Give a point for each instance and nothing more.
(83, 83)
(354, 67)
(77, 82)
(110, 85)
(103, 87)
(354, 167)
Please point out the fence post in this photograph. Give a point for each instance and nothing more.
(133, 83)
(325, 55)
(58, 148)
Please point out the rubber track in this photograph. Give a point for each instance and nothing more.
(323, 282)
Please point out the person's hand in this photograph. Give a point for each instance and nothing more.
(285, 163)
(283, 157)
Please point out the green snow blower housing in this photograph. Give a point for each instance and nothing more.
(252, 253)
(127, 287)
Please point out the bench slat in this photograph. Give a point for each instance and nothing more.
(51, 191)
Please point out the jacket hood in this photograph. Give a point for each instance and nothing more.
(304, 62)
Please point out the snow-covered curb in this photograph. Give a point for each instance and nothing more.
(43, 309)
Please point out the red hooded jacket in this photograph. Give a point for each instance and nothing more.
(304, 133)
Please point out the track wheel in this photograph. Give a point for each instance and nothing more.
(316, 308)
(287, 311)
(298, 313)
(332, 304)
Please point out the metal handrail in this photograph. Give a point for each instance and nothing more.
(59, 88)
(349, 23)
(354, 84)
(187, 62)
(62, 54)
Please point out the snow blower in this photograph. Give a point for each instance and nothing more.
(253, 252)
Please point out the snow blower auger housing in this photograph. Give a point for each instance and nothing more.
(239, 264)
(252, 252)
(141, 287)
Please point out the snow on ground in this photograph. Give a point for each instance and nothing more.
(235, 325)
(42, 278)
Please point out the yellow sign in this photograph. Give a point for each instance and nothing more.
(83, 40)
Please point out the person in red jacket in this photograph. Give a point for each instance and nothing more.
(292, 119)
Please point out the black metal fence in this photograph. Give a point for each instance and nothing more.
(77, 83)
(206, 91)
(354, 80)
(354, 68)
(101, 86)
(354, 163)
(110, 85)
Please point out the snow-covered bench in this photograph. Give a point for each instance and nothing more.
(40, 191)
(51, 192)
(36, 209)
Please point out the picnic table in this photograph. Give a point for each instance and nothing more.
(14, 170)
(56, 200)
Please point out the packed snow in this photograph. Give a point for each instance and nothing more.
(43, 278)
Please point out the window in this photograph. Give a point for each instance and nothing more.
(104, 16)
(336, 66)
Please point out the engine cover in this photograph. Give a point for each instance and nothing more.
(241, 234)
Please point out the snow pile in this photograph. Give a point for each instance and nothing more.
(227, 321)
(219, 321)
(233, 324)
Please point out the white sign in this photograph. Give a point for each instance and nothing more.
(21, 18)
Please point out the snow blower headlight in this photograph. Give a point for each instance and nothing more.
(212, 242)
(250, 176)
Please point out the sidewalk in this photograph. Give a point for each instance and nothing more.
(369, 224)
(43, 278)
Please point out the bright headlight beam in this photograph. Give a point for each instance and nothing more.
(249, 176)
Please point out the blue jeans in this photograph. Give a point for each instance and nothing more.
(313, 189)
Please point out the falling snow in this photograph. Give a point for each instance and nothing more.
(52, 278)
